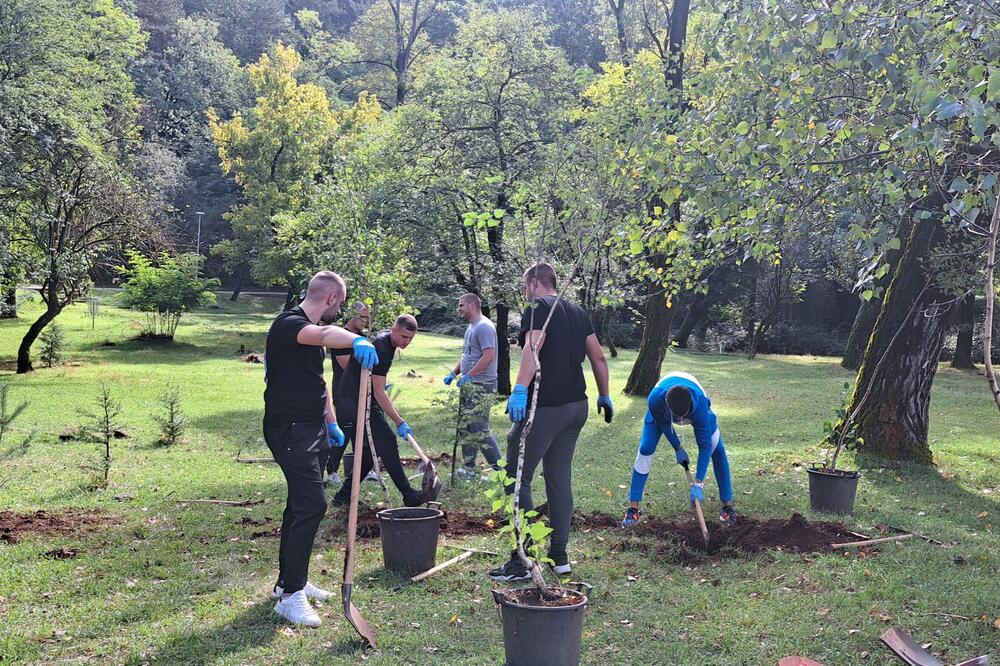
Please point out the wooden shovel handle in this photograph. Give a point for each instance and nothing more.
(697, 508)
(359, 437)
(416, 447)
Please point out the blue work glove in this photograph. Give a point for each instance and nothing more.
(463, 379)
(682, 457)
(449, 379)
(517, 403)
(364, 352)
(335, 435)
(697, 493)
(604, 402)
(404, 430)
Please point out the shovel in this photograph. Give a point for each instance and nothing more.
(350, 612)
(697, 506)
(431, 485)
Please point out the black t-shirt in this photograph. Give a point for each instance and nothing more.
(295, 388)
(563, 352)
(350, 380)
(338, 372)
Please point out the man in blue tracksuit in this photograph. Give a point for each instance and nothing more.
(679, 400)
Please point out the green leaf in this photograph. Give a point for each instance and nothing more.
(993, 87)
(893, 244)
(743, 127)
(636, 247)
(498, 213)
(829, 40)
(867, 294)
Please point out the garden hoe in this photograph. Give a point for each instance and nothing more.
(697, 506)
(350, 612)
(431, 485)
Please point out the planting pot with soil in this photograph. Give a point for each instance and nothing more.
(542, 628)
(833, 490)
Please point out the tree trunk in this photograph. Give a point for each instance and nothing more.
(604, 324)
(8, 307)
(291, 298)
(24, 351)
(966, 322)
(239, 287)
(655, 335)
(892, 393)
(503, 349)
(695, 314)
(861, 333)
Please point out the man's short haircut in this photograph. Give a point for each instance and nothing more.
(325, 282)
(542, 272)
(358, 309)
(407, 321)
(471, 299)
(679, 401)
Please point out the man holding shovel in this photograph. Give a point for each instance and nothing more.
(386, 343)
(300, 425)
(477, 383)
(679, 399)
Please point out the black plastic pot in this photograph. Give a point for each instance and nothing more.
(409, 537)
(832, 490)
(542, 635)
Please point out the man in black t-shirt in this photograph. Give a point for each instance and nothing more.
(359, 320)
(300, 425)
(562, 406)
(386, 343)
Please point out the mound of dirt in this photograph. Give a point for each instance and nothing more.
(682, 542)
(13, 525)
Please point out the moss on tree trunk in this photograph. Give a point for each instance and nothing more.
(892, 392)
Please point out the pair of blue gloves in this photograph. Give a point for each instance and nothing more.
(517, 404)
(336, 436)
(365, 354)
(451, 377)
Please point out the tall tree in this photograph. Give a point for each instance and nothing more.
(69, 132)
(275, 152)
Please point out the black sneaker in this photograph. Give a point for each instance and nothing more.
(728, 516)
(339, 501)
(560, 563)
(511, 570)
(414, 498)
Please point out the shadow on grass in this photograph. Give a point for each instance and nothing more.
(924, 487)
(254, 627)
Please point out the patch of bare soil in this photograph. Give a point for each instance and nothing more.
(13, 525)
(682, 542)
(454, 523)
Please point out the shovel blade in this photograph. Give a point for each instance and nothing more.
(353, 616)
(431, 485)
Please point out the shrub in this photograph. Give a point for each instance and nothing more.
(53, 341)
(165, 291)
(172, 421)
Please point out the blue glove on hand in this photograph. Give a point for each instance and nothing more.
(463, 379)
(335, 435)
(697, 493)
(682, 457)
(404, 430)
(604, 402)
(517, 403)
(449, 379)
(364, 352)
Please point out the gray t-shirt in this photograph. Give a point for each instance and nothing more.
(479, 336)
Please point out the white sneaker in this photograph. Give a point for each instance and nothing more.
(296, 609)
(334, 479)
(372, 476)
(467, 474)
(312, 592)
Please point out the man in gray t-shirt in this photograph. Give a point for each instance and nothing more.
(477, 385)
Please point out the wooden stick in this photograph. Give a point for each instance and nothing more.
(473, 550)
(917, 534)
(255, 460)
(697, 510)
(869, 542)
(430, 572)
(246, 502)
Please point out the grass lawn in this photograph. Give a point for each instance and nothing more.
(174, 583)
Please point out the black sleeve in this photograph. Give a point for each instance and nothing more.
(346, 351)
(533, 318)
(285, 331)
(585, 323)
(385, 353)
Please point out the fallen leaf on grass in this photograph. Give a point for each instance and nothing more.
(996, 623)
(633, 578)
(288, 631)
(455, 620)
(983, 514)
